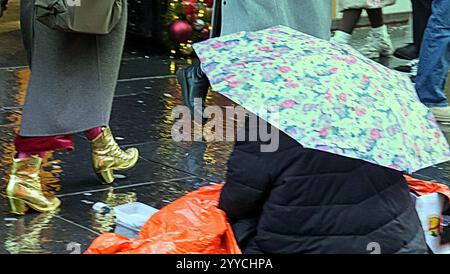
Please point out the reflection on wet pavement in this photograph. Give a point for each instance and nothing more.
(27, 236)
(155, 194)
(105, 222)
(146, 94)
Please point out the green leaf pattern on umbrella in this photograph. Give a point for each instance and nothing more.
(327, 97)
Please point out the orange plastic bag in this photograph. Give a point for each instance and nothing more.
(190, 225)
(424, 187)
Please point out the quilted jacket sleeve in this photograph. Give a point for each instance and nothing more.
(246, 186)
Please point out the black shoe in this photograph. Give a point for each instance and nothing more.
(410, 68)
(408, 52)
(403, 68)
(194, 85)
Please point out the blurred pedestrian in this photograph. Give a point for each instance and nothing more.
(379, 41)
(235, 15)
(421, 15)
(434, 61)
(71, 89)
(421, 12)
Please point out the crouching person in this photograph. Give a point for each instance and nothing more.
(297, 200)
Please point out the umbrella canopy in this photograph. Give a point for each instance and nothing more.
(326, 96)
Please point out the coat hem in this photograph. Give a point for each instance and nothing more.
(47, 134)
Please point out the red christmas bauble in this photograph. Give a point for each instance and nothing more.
(180, 31)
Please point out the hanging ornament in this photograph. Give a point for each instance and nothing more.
(180, 31)
(189, 7)
(187, 50)
(204, 34)
(191, 18)
(209, 3)
(187, 22)
(199, 24)
(198, 5)
(187, 2)
(208, 14)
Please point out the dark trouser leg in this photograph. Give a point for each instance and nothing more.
(375, 17)
(421, 15)
(217, 20)
(350, 19)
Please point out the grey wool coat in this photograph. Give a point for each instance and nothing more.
(73, 77)
(309, 16)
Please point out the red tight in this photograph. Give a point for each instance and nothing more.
(26, 146)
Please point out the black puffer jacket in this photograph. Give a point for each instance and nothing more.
(298, 200)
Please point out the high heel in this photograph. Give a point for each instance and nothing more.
(106, 176)
(108, 157)
(17, 206)
(24, 188)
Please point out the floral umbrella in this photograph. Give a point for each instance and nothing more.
(326, 96)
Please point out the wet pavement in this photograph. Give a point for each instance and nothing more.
(141, 117)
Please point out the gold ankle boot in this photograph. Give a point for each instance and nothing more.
(24, 188)
(108, 157)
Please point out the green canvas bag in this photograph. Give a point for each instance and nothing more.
(80, 16)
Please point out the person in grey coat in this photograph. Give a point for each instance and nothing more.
(309, 16)
(70, 90)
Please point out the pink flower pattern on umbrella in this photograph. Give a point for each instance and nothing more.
(289, 104)
(329, 97)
